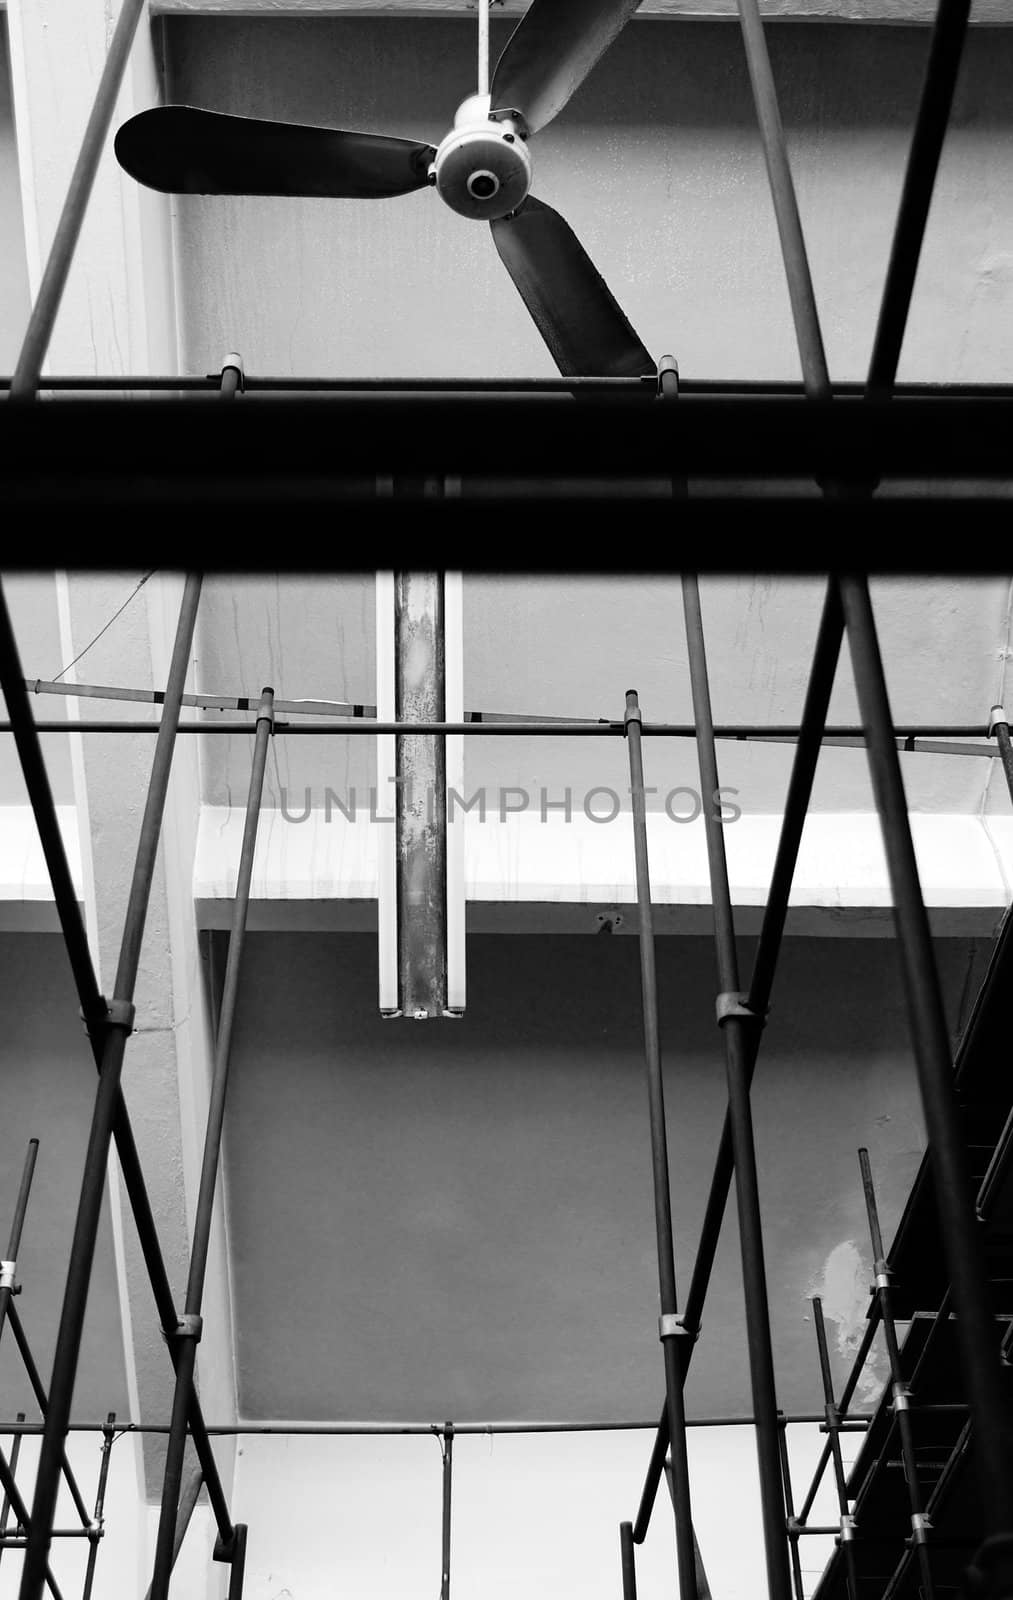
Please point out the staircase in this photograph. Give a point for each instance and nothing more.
(886, 1567)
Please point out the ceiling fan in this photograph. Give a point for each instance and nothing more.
(482, 169)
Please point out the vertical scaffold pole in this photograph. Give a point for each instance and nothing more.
(237, 1562)
(8, 1275)
(186, 1506)
(739, 1025)
(789, 1510)
(13, 1494)
(671, 1328)
(112, 1028)
(847, 1535)
(108, 1435)
(901, 1396)
(628, 1558)
(9, 1266)
(803, 771)
(976, 1328)
(998, 729)
(191, 1323)
(5, 1508)
(448, 1486)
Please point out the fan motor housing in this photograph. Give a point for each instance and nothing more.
(482, 169)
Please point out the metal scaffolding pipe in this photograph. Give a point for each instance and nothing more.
(846, 1394)
(672, 1329)
(916, 197)
(961, 1241)
(237, 1563)
(901, 1404)
(815, 376)
(189, 1331)
(817, 701)
(8, 1267)
(13, 1494)
(110, 1024)
(42, 1401)
(108, 1434)
(448, 1486)
(25, 382)
(998, 729)
(846, 1531)
(369, 1430)
(789, 1510)
(740, 1026)
(5, 1508)
(26, 738)
(186, 1504)
(628, 1560)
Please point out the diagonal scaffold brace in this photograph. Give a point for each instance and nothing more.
(111, 1113)
(187, 1335)
(991, 1571)
(672, 1328)
(814, 717)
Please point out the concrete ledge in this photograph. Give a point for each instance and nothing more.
(523, 873)
(988, 13)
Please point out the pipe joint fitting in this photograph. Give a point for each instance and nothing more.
(674, 1327)
(732, 1003)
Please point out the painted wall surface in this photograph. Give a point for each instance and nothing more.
(536, 1514)
(32, 602)
(655, 163)
(458, 1219)
(14, 299)
(570, 644)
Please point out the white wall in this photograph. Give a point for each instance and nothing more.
(534, 1514)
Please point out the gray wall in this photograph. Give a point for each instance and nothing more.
(456, 1220)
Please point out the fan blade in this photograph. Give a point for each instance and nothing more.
(550, 53)
(573, 308)
(183, 150)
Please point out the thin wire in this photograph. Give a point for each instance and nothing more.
(107, 626)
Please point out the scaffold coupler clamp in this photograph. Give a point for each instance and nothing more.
(921, 1527)
(884, 1277)
(997, 716)
(733, 1003)
(668, 378)
(225, 1549)
(233, 362)
(8, 1271)
(109, 1014)
(188, 1326)
(901, 1400)
(847, 1532)
(671, 1326)
(632, 713)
